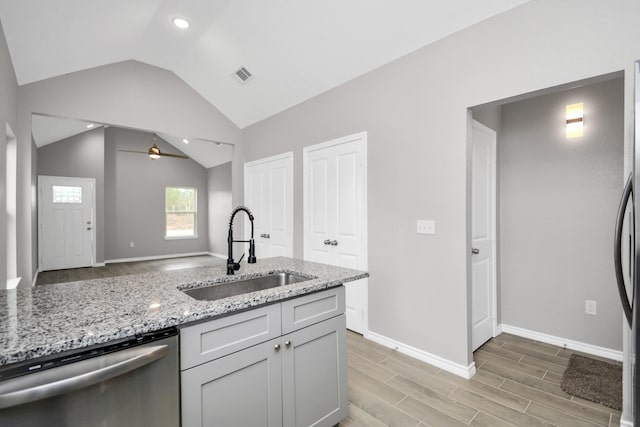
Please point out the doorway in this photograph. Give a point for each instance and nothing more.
(11, 209)
(335, 214)
(66, 217)
(557, 197)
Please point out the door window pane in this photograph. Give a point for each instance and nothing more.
(67, 194)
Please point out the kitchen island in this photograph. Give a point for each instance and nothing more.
(230, 356)
(48, 319)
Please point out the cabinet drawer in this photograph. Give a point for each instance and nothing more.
(301, 312)
(211, 340)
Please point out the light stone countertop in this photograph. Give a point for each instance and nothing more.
(48, 319)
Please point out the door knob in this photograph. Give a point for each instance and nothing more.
(475, 251)
(88, 228)
(266, 235)
(333, 243)
(327, 242)
(287, 343)
(276, 347)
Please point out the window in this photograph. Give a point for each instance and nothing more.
(180, 209)
(65, 194)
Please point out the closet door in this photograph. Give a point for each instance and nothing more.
(269, 195)
(335, 218)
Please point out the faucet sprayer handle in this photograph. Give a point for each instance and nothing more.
(236, 265)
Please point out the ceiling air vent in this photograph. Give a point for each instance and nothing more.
(242, 75)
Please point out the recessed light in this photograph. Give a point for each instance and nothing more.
(181, 23)
(154, 305)
(185, 140)
(90, 125)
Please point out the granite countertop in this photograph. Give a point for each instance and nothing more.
(48, 319)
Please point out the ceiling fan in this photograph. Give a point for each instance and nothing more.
(155, 153)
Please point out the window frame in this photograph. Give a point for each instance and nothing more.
(194, 212)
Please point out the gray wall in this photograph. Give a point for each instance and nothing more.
(79, 156)
(135, 197)
(129, 94)
(558, 203)
(415, 112)
(219, 178)
(8, 105)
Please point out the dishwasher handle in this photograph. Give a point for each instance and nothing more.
(74, 376)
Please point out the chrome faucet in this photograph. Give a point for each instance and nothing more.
(231, 265)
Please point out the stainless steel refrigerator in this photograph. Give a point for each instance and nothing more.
(630, 292)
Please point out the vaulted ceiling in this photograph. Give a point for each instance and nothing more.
(295, 49)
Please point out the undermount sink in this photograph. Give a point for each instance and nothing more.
(244, 286)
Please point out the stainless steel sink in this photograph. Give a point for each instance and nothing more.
(244, 286)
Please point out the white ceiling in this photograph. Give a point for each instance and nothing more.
(295, 49)
(47, 130)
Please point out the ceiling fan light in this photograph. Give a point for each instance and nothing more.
(154, 152)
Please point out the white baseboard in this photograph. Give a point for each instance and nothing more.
(440, 362)
(35, 278)
(154, 257)
(98, 264)
(221, 256)
(562, 342)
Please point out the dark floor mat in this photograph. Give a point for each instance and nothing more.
(594, 380)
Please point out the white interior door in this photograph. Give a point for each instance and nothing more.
(268, 190)
(335, 216)
(483, 271)
(66, 208)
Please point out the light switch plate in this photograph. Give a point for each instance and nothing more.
(590, 307)
(426, 226)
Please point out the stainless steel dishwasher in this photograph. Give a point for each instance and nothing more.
(130, 382)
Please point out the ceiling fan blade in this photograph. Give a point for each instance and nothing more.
(131, 151)
(177, 156)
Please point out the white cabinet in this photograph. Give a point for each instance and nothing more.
(295, 379)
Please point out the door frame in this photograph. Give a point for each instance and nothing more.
(365, 202)
(494, 282)
(288, 157)
(93, 217)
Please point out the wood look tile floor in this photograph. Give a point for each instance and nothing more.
(517, 384)
(126, 268)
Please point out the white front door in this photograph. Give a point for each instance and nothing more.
(335, 215)
(66, 208)
(483, 224)
(268, 193)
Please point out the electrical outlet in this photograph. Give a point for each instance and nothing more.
(590, 307)
(131, 244)
(426, 226)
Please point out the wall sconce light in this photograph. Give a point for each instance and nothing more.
(575, 120)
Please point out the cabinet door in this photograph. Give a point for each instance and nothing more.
(314, 375)
(242, 389)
